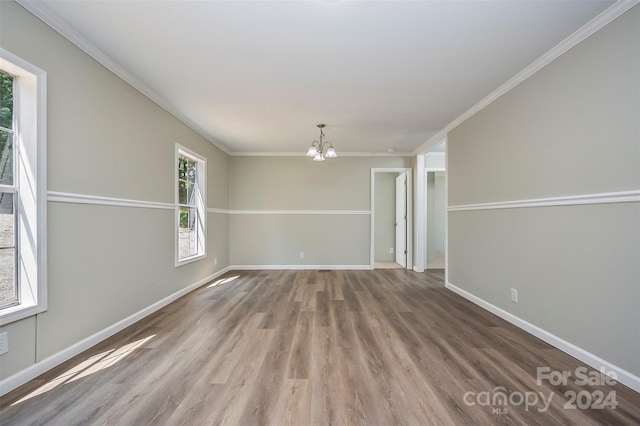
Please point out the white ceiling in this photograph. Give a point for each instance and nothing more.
(259, 76)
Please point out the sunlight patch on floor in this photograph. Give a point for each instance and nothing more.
(223, 281)
(89, 366)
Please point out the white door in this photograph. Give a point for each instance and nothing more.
(401, 219)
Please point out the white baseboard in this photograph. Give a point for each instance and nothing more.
(33, 371)
(298, 267)
(623, 376)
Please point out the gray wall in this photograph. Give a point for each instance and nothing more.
(570, 129)
(105, 139)
(343, 184)
(385, 211)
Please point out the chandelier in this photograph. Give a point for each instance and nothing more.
(317, 148)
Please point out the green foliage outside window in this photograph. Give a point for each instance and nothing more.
(6, 100)
(6, 136)
(187, 170)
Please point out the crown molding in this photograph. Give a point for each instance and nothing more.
(42, 12)
(605, 17)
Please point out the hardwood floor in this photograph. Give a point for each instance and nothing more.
(388, 347)
(387, 265)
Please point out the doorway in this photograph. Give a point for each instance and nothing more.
(401, 219)
(391, 226)
(425, 163)
(436, 225)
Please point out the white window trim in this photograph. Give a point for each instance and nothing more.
(31, 166)
(202, 179)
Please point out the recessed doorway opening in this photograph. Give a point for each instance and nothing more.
(391, 219)
(436, 223)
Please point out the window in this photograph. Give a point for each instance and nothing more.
(9, 295)
(191, 215)
(22, 189)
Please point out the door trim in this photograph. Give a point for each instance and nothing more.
(400, 231)
(421, 209)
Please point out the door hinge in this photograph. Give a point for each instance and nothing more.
(405, 252)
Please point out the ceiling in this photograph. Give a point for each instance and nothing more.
(256, 77)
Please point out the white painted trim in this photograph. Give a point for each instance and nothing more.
(409, 173)
(33, 371)
(201, 165)
(299, 267)
(571, 200)
(304, 154)
(36, 285)
(420, 261)
(446, 216)
(623, 376)
(608, 15)
(41, 185)
(67, 197)
(294, 212)
(215, 210)
(191, 259)
(39, 9)
(422, 168)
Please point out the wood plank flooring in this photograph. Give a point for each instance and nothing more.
(389, 347)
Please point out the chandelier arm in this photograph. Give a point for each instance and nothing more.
(321, 146)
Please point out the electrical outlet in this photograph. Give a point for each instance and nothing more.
(4, 343)
(391, 250)
(301, 255)
(215, 261)
(514, 295)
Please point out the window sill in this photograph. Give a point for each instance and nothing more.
(188, 260)
(18, 312)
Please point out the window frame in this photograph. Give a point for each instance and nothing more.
(13, 190)
(30, 181)
(201, 179)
